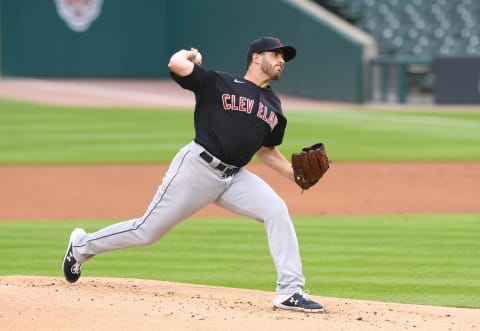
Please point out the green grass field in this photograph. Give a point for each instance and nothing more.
(33, 134)
(422, 259)
(425, 259)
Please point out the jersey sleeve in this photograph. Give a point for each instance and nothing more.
(195, 81)
(275, 137)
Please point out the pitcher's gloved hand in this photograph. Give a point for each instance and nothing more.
(310, 165)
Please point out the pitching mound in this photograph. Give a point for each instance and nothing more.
(44, 303)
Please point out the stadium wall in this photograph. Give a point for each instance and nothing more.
(134, 39)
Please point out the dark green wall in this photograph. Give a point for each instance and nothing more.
(128, 39)
(327, 65)
(136, 39)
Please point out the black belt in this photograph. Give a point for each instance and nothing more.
(225, 169)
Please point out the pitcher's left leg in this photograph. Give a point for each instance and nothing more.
(250, 196)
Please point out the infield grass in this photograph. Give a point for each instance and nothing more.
(38, 134)
(421, 259)
(424, 259)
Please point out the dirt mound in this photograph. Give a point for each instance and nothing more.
(44, 303)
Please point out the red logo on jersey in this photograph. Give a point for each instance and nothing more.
(230, 102)
(244, 104)
(271, 119)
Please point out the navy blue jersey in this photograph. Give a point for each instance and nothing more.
(233, 117)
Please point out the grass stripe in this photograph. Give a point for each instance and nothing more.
(32, 134)
(423, 259)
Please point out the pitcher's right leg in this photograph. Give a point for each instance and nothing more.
(188, 185)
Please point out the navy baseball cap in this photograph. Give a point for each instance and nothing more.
(265, 44)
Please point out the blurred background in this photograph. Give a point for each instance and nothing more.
(356, 51)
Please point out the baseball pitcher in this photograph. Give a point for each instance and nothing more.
(235, 118)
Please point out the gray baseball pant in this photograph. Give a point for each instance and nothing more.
(191, 183)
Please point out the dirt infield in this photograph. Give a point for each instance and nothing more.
(132, 304)
(124, 191)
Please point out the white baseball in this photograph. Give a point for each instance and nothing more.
(198, 58)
